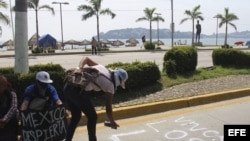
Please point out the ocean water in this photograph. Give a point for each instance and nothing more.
(205, 41)
(167, 42)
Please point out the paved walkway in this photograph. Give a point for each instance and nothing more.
(113, 49)
(221, 89)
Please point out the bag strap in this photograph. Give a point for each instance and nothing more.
(112, 79)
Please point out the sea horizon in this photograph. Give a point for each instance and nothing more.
(167, 42)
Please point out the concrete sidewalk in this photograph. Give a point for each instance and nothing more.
(162, 106)
(7, 53)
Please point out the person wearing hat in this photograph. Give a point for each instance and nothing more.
(41, 89)
(8, 111)
(78, 100)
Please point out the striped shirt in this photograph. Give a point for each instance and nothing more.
(13, 108)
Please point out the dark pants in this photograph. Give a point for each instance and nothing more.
(80, 102)
(197, 37)
(9, 132)
(93, 50)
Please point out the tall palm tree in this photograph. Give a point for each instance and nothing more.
(94, 9)
(149, 16)
(192, 15)
(34, 4)
(3, 18)
(227, 19)
(21, 37)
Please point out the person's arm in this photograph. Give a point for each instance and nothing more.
(24, 105)
(13, 109)
(87, 61)
(58, 102)
(109, 110)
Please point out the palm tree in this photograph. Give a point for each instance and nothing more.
(21, 37)
(3, 18)
(34, 4)
(94, 9)
(149, 16)
(227, 19)
(192, 15)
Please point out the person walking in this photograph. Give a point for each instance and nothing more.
(143, 40)
(198, 32)
(78, 99)
(8, 111)
(94, 46)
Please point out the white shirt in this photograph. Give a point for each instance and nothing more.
(105, 84)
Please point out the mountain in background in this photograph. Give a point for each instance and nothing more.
(137, 33)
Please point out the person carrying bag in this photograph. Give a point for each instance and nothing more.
(78, 99)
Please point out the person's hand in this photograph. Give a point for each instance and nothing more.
(67, 113)
(114, 125)
(2, 123)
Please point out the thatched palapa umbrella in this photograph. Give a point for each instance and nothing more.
(117, 43)
(33, 40)
(72, 42)
(159, 42)
(132, 42)
(85, 42)
(9, 44)
(105, 41)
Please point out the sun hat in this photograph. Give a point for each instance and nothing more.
(123, 76)
(43, 77)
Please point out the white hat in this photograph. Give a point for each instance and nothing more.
(43, 77)
(123, 76)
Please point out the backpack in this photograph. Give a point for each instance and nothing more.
(81, 77)
(39, 102)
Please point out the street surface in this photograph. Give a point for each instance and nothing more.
(198, 123)
(72, 60)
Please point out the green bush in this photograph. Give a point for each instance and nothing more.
(21, 81)
(226, 46)
(37, 50)
(50, 67)
(231, 57)
(185, 58)
(149, 46)
(140, 74)
(42, 50)
(170, 67)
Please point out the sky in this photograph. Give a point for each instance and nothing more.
(127, 12)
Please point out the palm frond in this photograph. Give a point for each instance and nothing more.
(142, 19)
(3, 4)
(4, 18)
(49, 8)
(183, 20)
(233, 25)
(107, 11)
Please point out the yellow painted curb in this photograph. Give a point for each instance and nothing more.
(162, 106)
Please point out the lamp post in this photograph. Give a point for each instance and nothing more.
(216, 30)
(172, 24)
(60, 3)
(158, 27)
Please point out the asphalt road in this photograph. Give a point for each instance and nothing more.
(198, 123)
(72, 60)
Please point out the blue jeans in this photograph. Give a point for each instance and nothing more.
(80, 102)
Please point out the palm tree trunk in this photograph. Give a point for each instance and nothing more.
(98, 35)
(21, 37)
(225, 41)
(193, 32)
(37, 32)
(150, 28)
